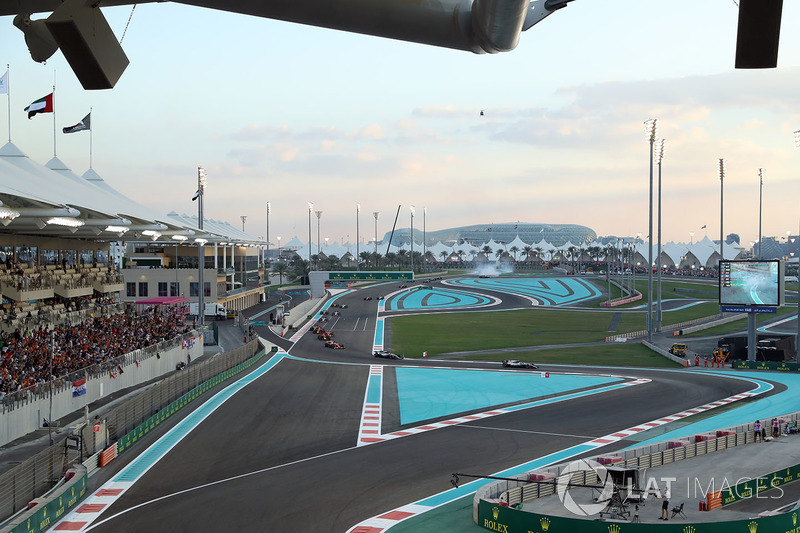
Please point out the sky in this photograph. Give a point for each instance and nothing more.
(290, 114)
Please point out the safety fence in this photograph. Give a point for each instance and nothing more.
(39, 473)
(130, 438)
(41, 391)
(542, 482)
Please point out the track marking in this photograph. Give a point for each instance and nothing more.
(81, 518)
(385, 521)
(528, 431)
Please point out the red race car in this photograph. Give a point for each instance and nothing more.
(334, 345)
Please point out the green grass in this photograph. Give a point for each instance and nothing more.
(451, 332)
(633, 354)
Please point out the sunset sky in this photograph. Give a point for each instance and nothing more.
(289, 114)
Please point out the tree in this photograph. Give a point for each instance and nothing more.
(391, 259)
(365, 257)
(443, 255)
(514, 251)
(402, 257)
(461, 254)
(527, 250)
(539, 251)
(299, 267)
(280, 268)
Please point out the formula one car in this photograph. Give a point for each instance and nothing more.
(334, 345)
(367, 298)
(512, 363)
(386, 355)
(325, 336)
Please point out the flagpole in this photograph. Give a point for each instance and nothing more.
(8, 94)
(90, 140)
(54, 114)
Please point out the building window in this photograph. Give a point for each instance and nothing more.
(162, 288)
(193, 291)
(131, 290)
(206, 288)
(174, 288)
(142, 288)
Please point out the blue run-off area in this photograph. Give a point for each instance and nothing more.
(547, 291)
(436, 299)
(763, 409)
(427, 393)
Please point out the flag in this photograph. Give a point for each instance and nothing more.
(42, 105)
(79, 387)
(704, 226)
(4, 83)
(196, 195)
(84, 124)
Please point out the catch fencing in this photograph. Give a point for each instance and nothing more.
(38, 474)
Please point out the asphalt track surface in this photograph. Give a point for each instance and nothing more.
(281, 454)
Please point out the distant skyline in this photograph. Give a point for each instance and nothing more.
(283, 113)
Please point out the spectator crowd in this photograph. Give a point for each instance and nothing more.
(25, 354)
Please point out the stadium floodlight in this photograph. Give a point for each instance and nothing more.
(65, 221)
(7, 215)
(116, 229)
(761, 173)
(650, 128)
(180, 238)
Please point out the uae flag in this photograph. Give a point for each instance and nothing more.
(42, 105)
(84, 124)
(79, 387)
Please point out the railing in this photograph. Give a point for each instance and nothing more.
(35, 476)
(522, 490)
(41, 391)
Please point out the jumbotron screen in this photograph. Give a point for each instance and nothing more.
(751, 283)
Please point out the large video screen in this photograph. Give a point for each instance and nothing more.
(751, 283)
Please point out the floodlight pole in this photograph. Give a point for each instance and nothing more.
(376, 214)
(721, 231)
(412, 239)
(660, 156)
(358, 248)
(760, 197)
(650, 128)
(797, 319)
(310, 209)
(201, 187)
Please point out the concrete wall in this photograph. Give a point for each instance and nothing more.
(27, 416)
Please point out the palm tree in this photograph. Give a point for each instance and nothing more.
(528, 250)
(402, 255)
(539, 251)
(461, 254)
(514, 251)
(280, 268)
(299, 267)
(365, 257)
(443, 255)
(391, 258)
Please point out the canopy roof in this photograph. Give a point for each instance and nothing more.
(52, 200)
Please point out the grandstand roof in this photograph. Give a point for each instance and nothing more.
(52, 200)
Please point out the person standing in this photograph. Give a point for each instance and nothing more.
(757, 431)
(665, 504)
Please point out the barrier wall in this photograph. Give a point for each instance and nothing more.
(27, 415)
(498, 518)
(49, 510)
(491, 515)
(766, 365)
(38, 474)
(143, 429)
